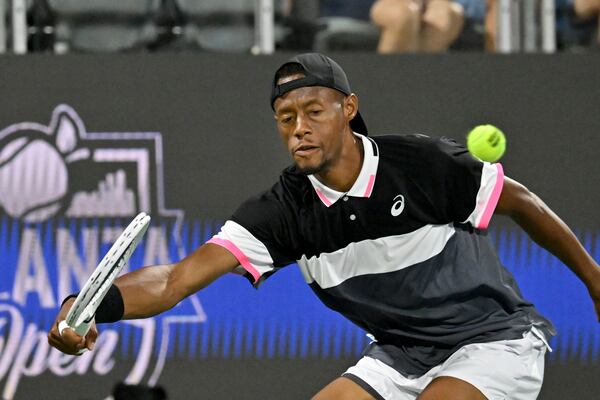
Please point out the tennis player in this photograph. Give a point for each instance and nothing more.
(388, 231)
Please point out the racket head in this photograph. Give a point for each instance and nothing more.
(81, 314)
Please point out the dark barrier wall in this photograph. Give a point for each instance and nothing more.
(214, 114)
(87, 141)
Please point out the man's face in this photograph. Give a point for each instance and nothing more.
(311, 122)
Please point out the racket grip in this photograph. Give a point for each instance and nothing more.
(81, 330)
(84, 327)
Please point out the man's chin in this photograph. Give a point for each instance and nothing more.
(308, 169)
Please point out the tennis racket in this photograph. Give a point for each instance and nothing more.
(81, 315)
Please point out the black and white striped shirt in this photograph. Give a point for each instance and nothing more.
(402, 254)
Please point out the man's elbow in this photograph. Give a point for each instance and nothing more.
(517, 201)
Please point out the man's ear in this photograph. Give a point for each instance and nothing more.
(350, 106)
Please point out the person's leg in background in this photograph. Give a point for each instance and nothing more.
(442, 22)
(400, 23)
(587, 10)
(490, 26)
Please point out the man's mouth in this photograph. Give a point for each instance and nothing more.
(305, 150)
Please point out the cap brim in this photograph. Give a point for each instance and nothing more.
(358, 125)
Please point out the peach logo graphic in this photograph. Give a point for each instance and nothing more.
(61, 170)
(33, 170)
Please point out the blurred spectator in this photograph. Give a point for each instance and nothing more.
(356, 9)
(40, 23)
(577, 23)
(345, 25)
(301, 24)
(406, 25)
(472, 36)
(490, 25)
(585, 15)
(329, 25)
(170, 22)
(417, 25)
(473, 9)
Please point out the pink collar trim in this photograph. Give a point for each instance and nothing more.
(363, 187)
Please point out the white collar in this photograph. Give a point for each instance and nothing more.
(363, 186)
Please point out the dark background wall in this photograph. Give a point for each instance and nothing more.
(213, 111)
(220, 146)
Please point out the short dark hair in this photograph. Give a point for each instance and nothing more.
(288, 69)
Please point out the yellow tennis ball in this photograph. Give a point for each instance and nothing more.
(486, 142)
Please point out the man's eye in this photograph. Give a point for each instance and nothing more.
(285, 120)
(315, 112)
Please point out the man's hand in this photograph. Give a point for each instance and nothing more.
(70, 342)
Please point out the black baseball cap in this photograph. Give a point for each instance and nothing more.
(319, 70)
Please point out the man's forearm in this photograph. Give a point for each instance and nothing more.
(146, 292)
(152, 290)
(550, 232)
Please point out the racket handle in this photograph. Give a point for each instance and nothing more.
(83, 329)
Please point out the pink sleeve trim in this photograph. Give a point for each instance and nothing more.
(241, 257)
(493, 200)
(370, 186)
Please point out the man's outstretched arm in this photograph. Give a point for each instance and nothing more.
(550, 232)
(152, 290)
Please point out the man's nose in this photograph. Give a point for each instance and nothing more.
(302, 126)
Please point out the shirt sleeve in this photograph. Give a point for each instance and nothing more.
(462, 188)
(258, 236)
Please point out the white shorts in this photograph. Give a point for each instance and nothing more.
(506, 369)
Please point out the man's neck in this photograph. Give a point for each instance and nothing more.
(342, 175)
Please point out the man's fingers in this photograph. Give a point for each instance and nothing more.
(63, 337)
(90, 338)
(71, 339)
(61, 346)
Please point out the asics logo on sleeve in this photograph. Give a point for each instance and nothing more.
(398, 205)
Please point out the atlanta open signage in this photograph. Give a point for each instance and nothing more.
(65, 194)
